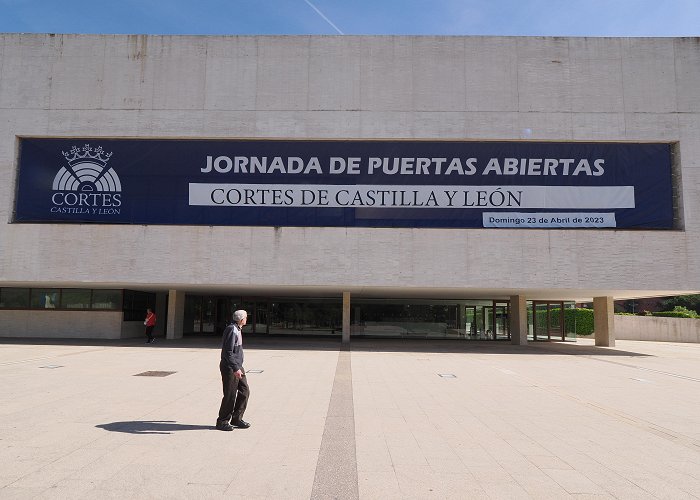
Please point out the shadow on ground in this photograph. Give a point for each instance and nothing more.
(152, 427)
(320, 343)
(486, 347)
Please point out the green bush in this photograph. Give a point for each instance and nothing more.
(678, 312)
(575, 320)
(579, 320)
(692, 302)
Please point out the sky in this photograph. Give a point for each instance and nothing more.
(355, 17)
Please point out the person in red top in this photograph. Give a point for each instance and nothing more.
(150, 323)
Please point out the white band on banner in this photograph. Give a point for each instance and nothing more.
(398, 196)
(549, 219)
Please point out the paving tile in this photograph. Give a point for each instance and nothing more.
(505, 489)
(532, 422)
(68, 489)
(380, 484)
(43, 478)
(14, 493)
(447, 465)
(548, 462)
(417, 481)
(574, 482)
(539, 485)
(373, 455)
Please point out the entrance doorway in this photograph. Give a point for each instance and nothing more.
(487, 321)
(548, 320)
(210, 314)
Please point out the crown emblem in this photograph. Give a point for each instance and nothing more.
(86, 153)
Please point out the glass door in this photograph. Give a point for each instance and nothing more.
(470, 327)
(556, 320)
(480, 326)
(500, 321)
(261, 314)
(548, 320)
(488, 323)
(541, 320)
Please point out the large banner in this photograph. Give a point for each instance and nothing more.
(345, 183)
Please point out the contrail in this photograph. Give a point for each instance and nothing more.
(324, 17)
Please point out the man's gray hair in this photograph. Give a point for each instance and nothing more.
(239, 315)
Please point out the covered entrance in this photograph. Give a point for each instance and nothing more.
(471, 319)
(487, 321)
(548, 320)
(209, 315)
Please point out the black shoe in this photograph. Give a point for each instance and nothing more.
(241, 424)
(148, 342)
(224, 426)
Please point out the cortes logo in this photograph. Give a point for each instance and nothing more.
(87, 185)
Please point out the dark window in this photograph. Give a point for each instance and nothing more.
(14, 298)
(73, 298)
(56, 298)
(307, 317)
(106, 299)
(136, 303)
(45, 298)
(405, 318)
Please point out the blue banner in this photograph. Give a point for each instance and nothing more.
(345, 183)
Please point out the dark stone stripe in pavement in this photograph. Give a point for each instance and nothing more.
(336, 469)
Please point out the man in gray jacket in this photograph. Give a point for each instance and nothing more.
(233, 377)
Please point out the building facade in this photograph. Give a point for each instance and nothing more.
(442, 187)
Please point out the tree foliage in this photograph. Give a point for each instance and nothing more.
(688, 301)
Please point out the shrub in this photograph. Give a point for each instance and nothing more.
(692, 302)
(579, 320)
(678, 312)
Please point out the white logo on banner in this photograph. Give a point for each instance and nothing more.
(86, 185)
(87, 171)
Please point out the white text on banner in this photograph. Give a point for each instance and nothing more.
(549, 219)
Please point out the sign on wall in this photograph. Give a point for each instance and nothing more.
(345, 183)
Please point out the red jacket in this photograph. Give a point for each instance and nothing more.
(151, 319)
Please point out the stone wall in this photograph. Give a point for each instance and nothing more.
(657, 329)
(354, 87)
(41, 323)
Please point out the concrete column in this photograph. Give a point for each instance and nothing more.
(346, 317)
(176, 313)
(161, 320)
(604, 321)
(517, 315)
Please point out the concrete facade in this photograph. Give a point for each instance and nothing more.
(366, 87)
(67, 324)
(657, 329)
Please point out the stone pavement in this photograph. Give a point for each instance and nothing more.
(549, 420)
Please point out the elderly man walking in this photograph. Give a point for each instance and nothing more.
(235, 383)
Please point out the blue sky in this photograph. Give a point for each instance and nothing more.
(356, 17)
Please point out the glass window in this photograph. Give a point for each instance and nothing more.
(135, 304)
(14, 298)
(405, 318)
(45, 298)
(74, 298)
(305, 317)
(193, 314)
(106, 299)
(570, 320)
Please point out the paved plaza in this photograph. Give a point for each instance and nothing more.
(381, 420)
